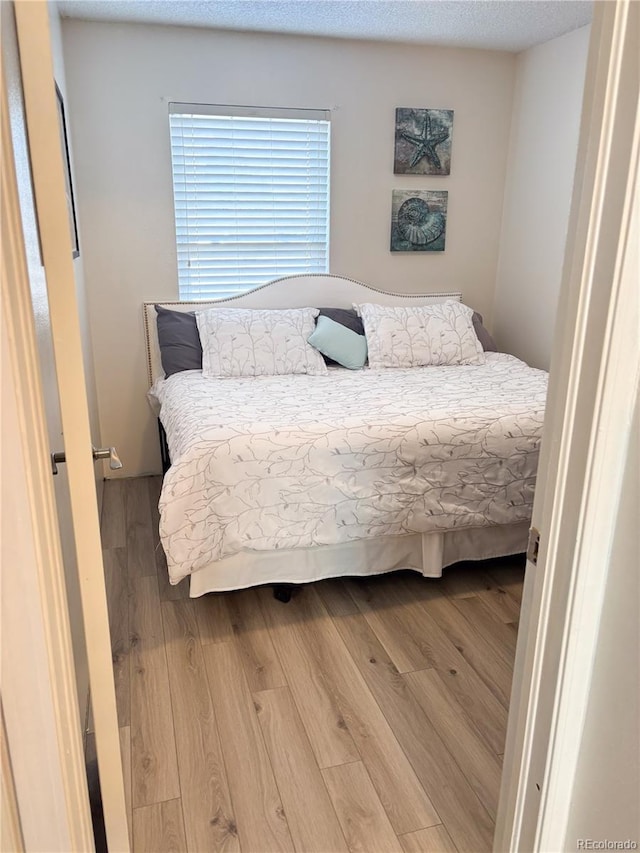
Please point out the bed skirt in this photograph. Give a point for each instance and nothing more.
(427, 553)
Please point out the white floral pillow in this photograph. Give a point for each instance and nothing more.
(248, 342)
(417, 336)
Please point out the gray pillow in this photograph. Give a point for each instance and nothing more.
(488, 344)
(345, 316)
(179, 340)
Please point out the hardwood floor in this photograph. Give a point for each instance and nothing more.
(363, 716)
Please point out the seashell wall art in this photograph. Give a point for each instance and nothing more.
(418, 220)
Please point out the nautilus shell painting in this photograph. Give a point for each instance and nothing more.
(423, 141)
(418, 220)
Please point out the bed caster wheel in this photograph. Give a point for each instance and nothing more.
(282, 593)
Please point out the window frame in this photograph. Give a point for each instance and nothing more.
(188, 288)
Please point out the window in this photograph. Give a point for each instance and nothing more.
(251, 195)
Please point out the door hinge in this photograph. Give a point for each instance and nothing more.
(532, 546)
(56, 459)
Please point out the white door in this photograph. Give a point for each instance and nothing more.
(44, 340)
(66, 381)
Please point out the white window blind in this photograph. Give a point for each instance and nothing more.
(251, 194)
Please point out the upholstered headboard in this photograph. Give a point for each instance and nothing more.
(294, 291)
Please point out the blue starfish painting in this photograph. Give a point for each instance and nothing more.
(423, 141)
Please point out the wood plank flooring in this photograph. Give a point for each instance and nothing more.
(363, 716)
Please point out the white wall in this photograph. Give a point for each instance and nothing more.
(542, 157)
(120, 78)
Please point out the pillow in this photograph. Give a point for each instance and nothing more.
(179, 341)
(339, 343)
(488, 344)
(248, 342)
(418, 336)
(345, 316)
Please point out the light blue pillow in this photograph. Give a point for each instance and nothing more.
(343, 345)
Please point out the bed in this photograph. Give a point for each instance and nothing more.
(288, 479)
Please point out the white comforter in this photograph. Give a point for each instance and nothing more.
(296, 461)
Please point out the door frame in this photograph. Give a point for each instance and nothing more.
(595, 370)
(38, 693)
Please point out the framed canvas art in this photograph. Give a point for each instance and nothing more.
(423, 141)
(418, 220)
(68, 186)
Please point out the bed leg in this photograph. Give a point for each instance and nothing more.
(282, 592)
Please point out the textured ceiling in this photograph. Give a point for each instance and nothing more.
(512, 25)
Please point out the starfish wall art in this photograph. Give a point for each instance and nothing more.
(423, 141)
